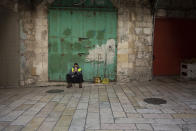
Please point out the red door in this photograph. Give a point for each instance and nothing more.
(174, 41)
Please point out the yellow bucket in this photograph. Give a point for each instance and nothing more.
(105, 81)
(97, 79)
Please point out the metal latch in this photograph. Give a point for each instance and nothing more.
(81, 39)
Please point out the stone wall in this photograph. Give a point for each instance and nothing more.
(134, 42)
(134, 55)
(134, 59)
(180, 9)
(34, 44)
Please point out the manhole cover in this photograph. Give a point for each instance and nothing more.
(55, 91)
(155, 101)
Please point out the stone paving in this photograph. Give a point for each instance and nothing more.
(113, 107)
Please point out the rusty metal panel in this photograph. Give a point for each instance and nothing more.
(107, 4)
(85, 37)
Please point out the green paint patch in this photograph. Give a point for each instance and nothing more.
(62, 39)
(91, 34)
(100, 35)
(67, 31)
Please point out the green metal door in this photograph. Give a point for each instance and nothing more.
(87, 37)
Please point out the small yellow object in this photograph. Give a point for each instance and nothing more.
(105, 81)
(97, 79)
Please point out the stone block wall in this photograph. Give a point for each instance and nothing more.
(134, 54)
(135, 28)
(34, 45)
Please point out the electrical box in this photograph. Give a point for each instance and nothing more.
(188, 70)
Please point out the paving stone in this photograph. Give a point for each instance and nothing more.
(16, 103)
(93, 100)
(144, 127)
(93, 121)
(57, 98)
(5, 111)
(118, 126)
(181, 116)
(190, 120)
(13, 128)
(33, 124)
(148, 111)
(53, 116)
(22, 120)
(46, 98)
(106, 116)
(36, 98)
(163, 127)
(65, 99)
(59, 108)
(128, 108)
(11, 116)
(169, 121)
(31, 102)
(3, 125)
(84, 99)
(38, 106)
(116, 107)
(57, 128)
(103, 99)
(106, 113)
(46, 110)
(73, 103)
(93, 107)
(188, 127)
(69, 111)
(82, 105)
(134, 120)
(109, 130)
(131, 115)
(78, 121)
(64, 121)
(119, 114)
(114, 100)
(47, 126)
(168, 111)
(157, 116)
(23, 107)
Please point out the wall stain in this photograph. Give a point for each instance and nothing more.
(67, 32)
(91, 34)
(100, 35)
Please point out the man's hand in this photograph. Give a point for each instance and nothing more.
(75, 69)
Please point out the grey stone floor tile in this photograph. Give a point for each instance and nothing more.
(11, 116)
(98, 107)
(22, 120)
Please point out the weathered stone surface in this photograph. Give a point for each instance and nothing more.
(135, 27)
(121, 107)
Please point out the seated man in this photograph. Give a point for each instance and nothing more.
(75, 76)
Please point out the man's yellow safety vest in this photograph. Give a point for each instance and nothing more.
(79, 69)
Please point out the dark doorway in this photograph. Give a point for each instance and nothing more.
(9, 50)
(174, 41)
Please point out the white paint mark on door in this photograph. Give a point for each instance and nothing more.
(103, 53)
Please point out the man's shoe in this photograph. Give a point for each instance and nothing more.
(80, 85)
(69, 85)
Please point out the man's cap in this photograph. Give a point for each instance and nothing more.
(75, 63)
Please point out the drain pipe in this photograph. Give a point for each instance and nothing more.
(153, 19)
